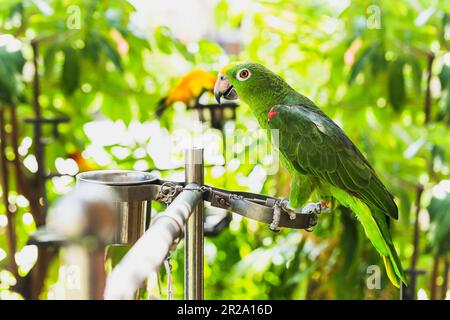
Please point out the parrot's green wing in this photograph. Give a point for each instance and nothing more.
(316, 146)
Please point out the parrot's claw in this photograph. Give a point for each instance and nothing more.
(292, 215)
(290, 211)
(276, 218)
(282, 206)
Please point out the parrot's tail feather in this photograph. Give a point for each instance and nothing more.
(382, 199)
(390, 271)
(376, 227)
(394, 265)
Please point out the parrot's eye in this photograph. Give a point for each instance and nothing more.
(243, 74)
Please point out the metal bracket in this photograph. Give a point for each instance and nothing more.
(220, 200)
(168, 192)
(261, 208)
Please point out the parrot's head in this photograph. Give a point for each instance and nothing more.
(251, 82)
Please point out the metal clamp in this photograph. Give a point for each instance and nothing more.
(168, 192)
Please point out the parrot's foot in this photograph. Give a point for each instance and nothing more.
(284, 205)
(310, 208)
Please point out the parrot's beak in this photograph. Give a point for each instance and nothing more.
(223, 88)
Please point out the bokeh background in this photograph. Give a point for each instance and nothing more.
(98, 71)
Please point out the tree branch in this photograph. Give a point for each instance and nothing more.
(427, 105)
(11, 226)
(433, 281)
(444, 287)
(25, 185)
(412, 282)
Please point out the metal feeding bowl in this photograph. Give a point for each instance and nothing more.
(132, 197)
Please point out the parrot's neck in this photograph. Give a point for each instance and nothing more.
(260, 104)
(271, 90)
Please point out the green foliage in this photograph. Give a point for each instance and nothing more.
(11, 64)
(439, 209)
(371, 81)
(396, 84)
(444, 78)
(70, 77)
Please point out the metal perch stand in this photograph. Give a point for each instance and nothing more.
(166, 228)
(129, 193)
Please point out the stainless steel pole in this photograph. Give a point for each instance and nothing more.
(193, 239)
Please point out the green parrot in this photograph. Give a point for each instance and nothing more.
(316, 152)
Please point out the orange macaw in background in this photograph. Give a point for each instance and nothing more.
(188, 89)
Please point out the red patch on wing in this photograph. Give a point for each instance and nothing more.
(272, 113)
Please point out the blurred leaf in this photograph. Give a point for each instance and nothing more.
(16, 9)
(209, 51)
(439, 209)
(110, 52)
(49, 58)
(444, 103)
(166, 42)
(396, 84)
(183, 50)
(92, 48)
(349, 240)
(444, 76)
(221, 13)
(362, 61)
(70, 78)
(163, 38)
(416, 75)
(116, 253)
(11, 64)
